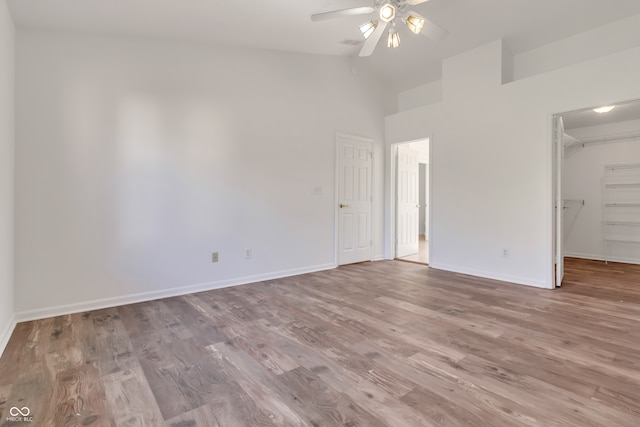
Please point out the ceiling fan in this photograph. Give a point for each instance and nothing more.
(389, 12)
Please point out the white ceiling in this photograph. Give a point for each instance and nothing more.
(285, 25)
(623, 112)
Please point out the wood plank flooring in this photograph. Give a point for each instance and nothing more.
(374, 344)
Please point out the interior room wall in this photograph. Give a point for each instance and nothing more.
(597, 42)
(7, 56)
(582, 179)
(492, 160)
(429, 93)
(146, 157)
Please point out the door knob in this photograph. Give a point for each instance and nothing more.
(342, 205)
(417, 206)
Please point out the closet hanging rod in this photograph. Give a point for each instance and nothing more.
(622, 205)
(629, 136)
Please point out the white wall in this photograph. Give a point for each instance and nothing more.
(136, 159)
(426, 94)
(598, 42)
(583, 173)
(7, 34)
(491, 158)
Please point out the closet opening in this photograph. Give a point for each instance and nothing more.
(597, 190)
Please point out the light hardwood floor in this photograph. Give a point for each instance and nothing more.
(375, 344)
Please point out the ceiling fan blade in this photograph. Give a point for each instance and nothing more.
(433, 31)
(374, 38)
(322, 16)
(415, 2)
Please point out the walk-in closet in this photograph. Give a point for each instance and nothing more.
(601, 183)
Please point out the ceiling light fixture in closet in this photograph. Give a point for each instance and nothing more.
(606, 109)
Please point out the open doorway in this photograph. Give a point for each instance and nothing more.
(412, 201)
(597, 187)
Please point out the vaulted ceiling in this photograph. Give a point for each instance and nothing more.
(285, 25)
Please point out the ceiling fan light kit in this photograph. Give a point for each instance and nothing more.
(389, 13)
(394, 39)
(368, 27)
(415, 23)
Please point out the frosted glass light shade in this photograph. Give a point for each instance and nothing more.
(394, 40)
(387, 12)
(415, 23)
(368, 28)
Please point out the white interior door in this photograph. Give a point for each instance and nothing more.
(408, 206)
(354, 199)
(559, 201)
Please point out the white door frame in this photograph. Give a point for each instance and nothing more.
(427, 185)
(558, 141)
(392, 179)
(336, 193)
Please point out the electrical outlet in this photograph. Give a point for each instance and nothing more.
(505, 253)
(214, 257)
(248, 253)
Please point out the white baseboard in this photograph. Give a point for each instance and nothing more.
(5, 333)
(60, 310)
(489, 275)
(584, 256)
(599, 257)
